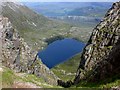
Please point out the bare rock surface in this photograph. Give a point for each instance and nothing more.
(101, 56)
(17, 55)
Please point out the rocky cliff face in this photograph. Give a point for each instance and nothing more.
(101, 56)
(17, 55)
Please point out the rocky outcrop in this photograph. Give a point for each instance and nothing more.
(101, 56)
(17, 55)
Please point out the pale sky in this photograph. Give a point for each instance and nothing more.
(62, 0)
(72, 0)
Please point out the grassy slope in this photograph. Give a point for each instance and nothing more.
(63, 70)
(71, 66)
(111, 83)
(23, 18)
(9, 77)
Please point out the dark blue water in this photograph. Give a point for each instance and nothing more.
(60, 51)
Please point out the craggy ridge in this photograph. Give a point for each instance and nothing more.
(17, 55)
(100, 57)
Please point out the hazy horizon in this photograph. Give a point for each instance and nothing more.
(59, 0)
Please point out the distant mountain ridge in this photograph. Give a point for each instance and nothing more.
(51, 9)
(72, 12)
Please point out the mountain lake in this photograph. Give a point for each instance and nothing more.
(59, 51)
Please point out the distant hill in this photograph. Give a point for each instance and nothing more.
(93, 11)
(80, 14)
(33, 27)
(51, 9)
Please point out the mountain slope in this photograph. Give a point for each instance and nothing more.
(11, 79)
(18, 56)
(100, 58)
(67, 70)
(34, 28)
